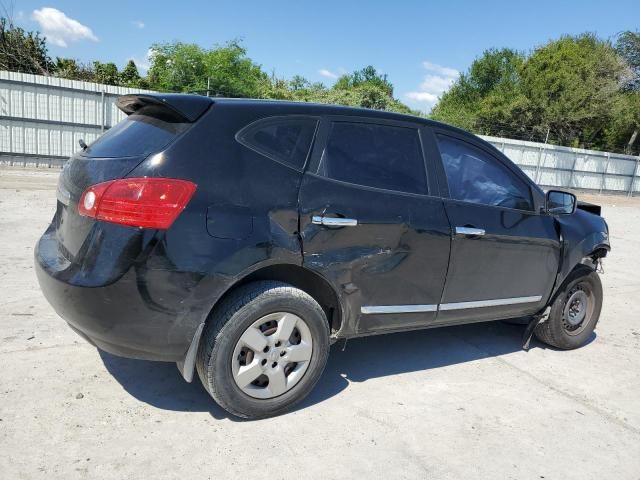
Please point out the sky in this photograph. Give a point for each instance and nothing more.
(421, 45)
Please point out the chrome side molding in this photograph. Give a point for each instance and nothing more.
(398, 309)
(382, 309)
(490, 303)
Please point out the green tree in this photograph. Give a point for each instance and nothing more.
(365, 95)
(486, 96)
(570, 88)
(228, 71)
(129, 76)
(22, 51)
(181, 67)
(106, 73)
(277, 89)
(363, 88)
(368, 76)
(177, 67)
(622, 133)
(298, 83)
(628, 47)
(233, 74)
(574, 85)
(71, 69)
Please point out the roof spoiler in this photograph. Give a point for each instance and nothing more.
(178, 107)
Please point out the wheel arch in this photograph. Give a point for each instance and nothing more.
(578, 270)
(306, 280)
(584, 241)
(310, 282)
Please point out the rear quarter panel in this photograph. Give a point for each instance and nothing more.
(244, 214)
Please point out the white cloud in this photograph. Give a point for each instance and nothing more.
(60, 29)
(439, 69)
(425, 97)
(138, 23)
(143, 62)
(328, 73)
(437, 81)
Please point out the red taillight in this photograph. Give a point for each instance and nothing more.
(138, 202)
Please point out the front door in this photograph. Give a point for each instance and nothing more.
(369, 226)
(504, 253)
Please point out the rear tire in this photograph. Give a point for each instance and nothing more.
(574, 312)
(268, 330)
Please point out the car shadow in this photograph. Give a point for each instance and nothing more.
(161, 385)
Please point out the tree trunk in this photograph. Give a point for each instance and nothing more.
(632, 140)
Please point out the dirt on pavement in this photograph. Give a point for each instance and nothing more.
(452, 403)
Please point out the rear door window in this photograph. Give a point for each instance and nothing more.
(283, 139)
(137, 135)
(374, 155)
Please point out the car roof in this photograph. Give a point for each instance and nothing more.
(311, 108)
(191, 106)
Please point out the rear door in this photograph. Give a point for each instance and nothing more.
(370, 226)
(505, 252)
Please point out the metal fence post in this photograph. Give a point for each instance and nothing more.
(537, 174)
(633, 178)
(102, 113)
(542, 149)
(573, 170)
(604, 172)
(10, 133)
(24, 139)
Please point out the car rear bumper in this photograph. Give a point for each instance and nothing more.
(144, 314)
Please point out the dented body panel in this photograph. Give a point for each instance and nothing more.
(585, 238)
(397, 255)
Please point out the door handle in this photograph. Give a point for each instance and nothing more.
(470, 231)
(334, 221)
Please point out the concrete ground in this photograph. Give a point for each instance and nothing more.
(460, 402)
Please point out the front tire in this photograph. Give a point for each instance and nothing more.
(263, 349)
(574, 312)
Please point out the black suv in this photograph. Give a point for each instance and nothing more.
(240, 238)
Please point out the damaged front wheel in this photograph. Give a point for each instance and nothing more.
(574, 313)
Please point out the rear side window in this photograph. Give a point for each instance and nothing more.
(475, 176)
(374, 155)
(283, 139)
(137, 135)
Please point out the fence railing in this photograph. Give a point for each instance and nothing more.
(555, 166)
(42, 119)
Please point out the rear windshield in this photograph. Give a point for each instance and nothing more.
(137, 135)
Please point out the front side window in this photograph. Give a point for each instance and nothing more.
(475, 176)
(284, 139)
(374, 155)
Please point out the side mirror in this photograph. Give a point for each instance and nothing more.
(561, 203)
